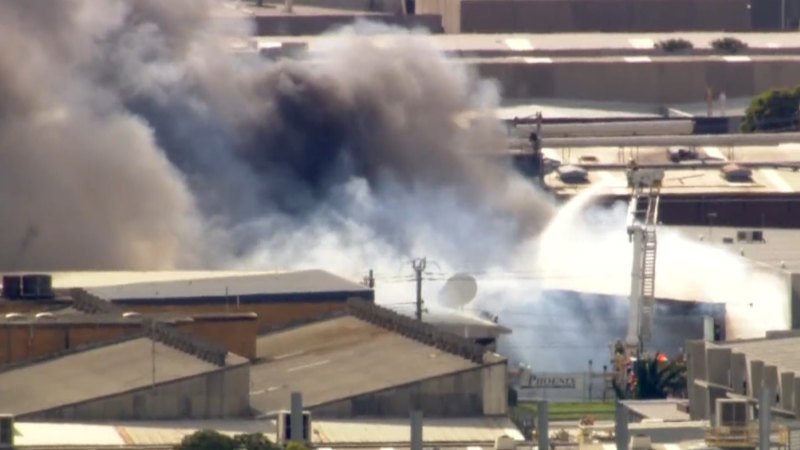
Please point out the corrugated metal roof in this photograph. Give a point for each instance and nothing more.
(161, 433)
(66, 434)
(361, 433)
(397, 431)
(233, 286)
(85, 279)
(351, 356)
(96, 373)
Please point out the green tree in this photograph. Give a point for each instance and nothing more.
(728, 45)
(206, 440)
(675, 45)
(773, 110)
(654, 379)
(294, 445)
(254, 441)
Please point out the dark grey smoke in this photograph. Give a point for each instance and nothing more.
(128, 130)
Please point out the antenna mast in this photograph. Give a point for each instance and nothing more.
(419, 265)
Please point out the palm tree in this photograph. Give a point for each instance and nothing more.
(654, 378)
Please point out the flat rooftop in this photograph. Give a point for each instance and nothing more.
(663, 410)
(780, 352)
(779, 249)
(355, 357)
(96, 373)
(307, 285)
(565, 41)
(608, 166)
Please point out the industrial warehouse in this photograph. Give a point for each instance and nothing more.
(400, 225)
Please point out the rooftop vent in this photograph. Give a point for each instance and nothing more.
(12, 287)
(678, 154)
(736, 173)
(36, 286)
(572, 174)
(640, 442)
(731, 412)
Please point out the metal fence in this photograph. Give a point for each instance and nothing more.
(564, 387)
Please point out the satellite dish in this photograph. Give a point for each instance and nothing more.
(458, 290)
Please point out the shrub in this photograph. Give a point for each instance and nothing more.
(728, 45)
(254, 441)
(213, 440)
(674, 45)
(773, 110)
(294, 445)
(206, 440)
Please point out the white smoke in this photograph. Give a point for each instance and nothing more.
(132, 138)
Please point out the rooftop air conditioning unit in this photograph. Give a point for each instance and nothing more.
(731, 412)
(285, 426)
(11, 317)
(750, 236)
(640, 442)
(736, 173)
(572, 174)
(504, 443)
(678, 154)
(6, 431)
(45, 316)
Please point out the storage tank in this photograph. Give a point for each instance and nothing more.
(37, 286)
(12, 287)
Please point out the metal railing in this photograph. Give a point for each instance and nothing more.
(91, 304)
(160, 332)
(414, 329)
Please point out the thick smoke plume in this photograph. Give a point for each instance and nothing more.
(132, 137)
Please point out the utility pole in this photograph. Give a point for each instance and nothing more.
(419, 267)
(153, 352)
(369, 280)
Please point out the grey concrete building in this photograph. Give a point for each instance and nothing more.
(374, 362)
(740, 369)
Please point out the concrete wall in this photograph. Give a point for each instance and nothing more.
(25, 341)
(473, 392)
(448, 10)
(662, 80)
(221, 394)
(548, 16)
(495, 389)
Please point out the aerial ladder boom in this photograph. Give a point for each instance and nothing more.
(645, 185)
